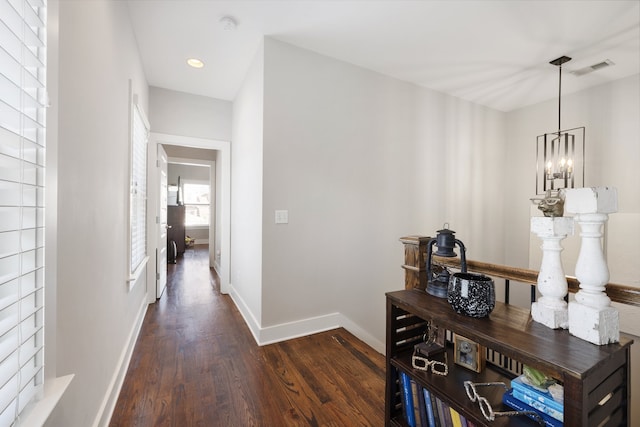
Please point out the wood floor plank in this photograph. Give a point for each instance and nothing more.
(197, 364)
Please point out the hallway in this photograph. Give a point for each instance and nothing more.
(196, 364)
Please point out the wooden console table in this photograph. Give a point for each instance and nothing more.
(596, 378)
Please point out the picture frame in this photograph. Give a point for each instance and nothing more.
(468, 354)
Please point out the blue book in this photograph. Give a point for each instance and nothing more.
(541, 407)
(542, 396)
(509, 400)
(407, 399)
(429, 408)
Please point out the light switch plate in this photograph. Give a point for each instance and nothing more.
(282, 217)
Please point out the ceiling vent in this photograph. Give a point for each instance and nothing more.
(592, 68)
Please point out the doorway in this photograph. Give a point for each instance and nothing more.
(191, 201)
(188, 150)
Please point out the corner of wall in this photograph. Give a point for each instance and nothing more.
(301, 328)
(245, 311)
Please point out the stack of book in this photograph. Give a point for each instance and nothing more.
(525, 397)
(422, 408)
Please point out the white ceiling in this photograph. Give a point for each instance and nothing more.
(495, 53)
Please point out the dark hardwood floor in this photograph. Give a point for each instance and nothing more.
(196, 364)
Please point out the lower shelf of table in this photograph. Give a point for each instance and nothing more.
(450, 389)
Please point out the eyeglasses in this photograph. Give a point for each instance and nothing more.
(486, 408)
(423, 364)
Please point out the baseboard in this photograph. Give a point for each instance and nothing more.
(113, 391)
(216, 267)
(363, 335)
(301, 328)
(247, 315)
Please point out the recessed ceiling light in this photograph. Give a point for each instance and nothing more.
(195, 63)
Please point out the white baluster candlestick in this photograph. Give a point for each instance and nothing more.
(591, 316)
(551, 308)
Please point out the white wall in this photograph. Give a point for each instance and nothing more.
(356, 159)
(179, 113)
(97, 315)
(246, 187)
(187, 172)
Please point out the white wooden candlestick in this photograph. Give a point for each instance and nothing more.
(551, 308)
(591, 316)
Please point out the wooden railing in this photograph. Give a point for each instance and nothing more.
(619, 293)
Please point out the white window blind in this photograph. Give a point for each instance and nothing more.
(22, 161)
(138, 202)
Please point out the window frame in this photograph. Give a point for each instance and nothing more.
(185, 204)
(138, 186)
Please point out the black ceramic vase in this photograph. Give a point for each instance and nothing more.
(471, 294)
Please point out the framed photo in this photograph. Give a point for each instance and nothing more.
(468, 354)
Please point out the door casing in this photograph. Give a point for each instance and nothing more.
(223, 209)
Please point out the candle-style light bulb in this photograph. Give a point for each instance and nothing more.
(549, 167)
(569, 166)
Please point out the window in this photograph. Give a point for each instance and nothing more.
(138, 191)
(196, 203)
(22, 167)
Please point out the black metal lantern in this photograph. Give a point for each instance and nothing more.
(445, 240)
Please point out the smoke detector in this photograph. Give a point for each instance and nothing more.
(228, 23)
(592, 68)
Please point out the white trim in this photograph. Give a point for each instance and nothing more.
(216, 267)
(37, 413)
(143, 116)
(362, 334)
(247, 315)
(224, 210)
(136, 274)
(299, 328)
(103, 417)
(190, 162)
(136, 107)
